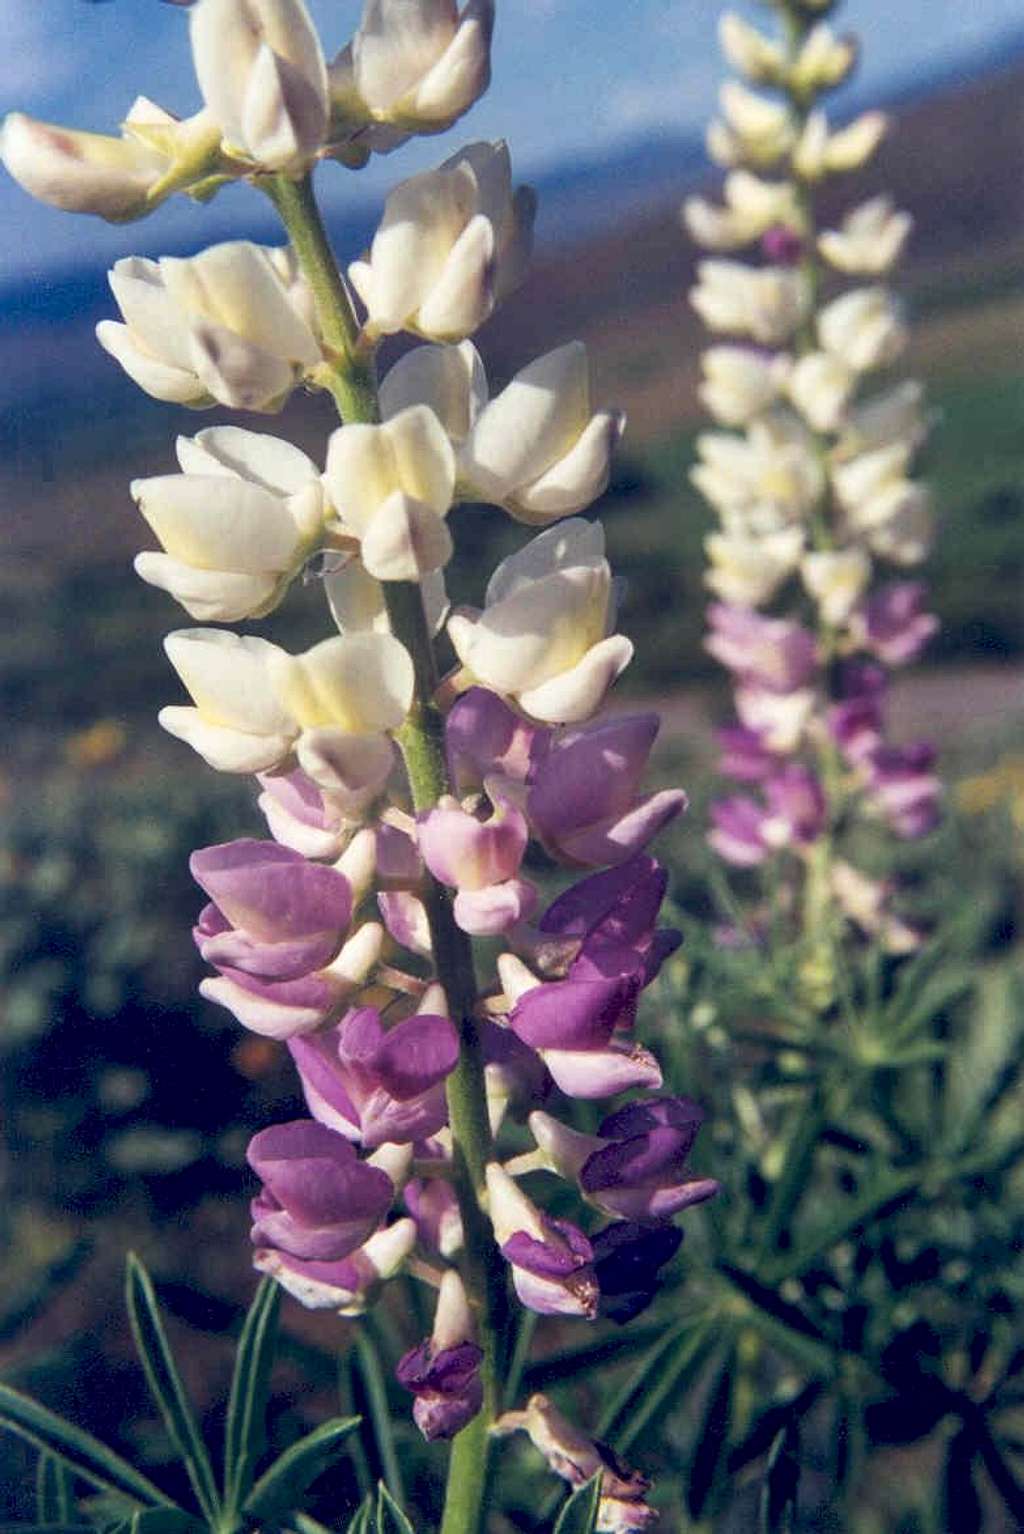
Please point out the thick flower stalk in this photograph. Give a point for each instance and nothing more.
(812, 478)
(401, 804)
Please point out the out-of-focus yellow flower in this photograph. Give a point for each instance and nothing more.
(96, 746)
(986, 791)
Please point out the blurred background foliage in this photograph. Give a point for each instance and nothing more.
(851, 1305)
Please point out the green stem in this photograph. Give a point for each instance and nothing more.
(349, 375)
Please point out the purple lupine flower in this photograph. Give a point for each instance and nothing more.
(904, 789)
(614, 914)
(274, 924)
(584, 799)
(485, 738)
(737, 831)
(515, 1074)
(782, 246)
(891, 625)
(299, 816)
(375, 1085)
(855, 722)
(444, 1371)
(635, 1166)
(480, 860)
(348, 1285)
(433, 1205)
(551, 1260)
(772, 653)
(319, 1202)
(577, 1459)
(628, 1258)
(796, 807)
(744, 755)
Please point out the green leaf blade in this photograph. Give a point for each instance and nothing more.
(246, 1426)
(55, 1501)
(778, 1503)
(167, 1388)
(579, 1515)
(390, 1518)
(81, 1454)
(290, 1476)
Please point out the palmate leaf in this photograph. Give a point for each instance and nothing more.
(777, 1511)
(390, 1518)
(579, 1515)
(286, 1482)
(80, 1453)
(55, 1500)
(166, 1386)
(245, 1430)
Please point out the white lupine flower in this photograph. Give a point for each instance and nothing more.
(896, 522)
(753, 129)
(236, 525)
(740, 382)
(865, 901)
(451, 244)
(543, 635)
(392, 487)
(763, 481)
(747, 572)
(869, 241)
(263, 75)
(359, 684)
(820, 152)
(413, 65)
(863, 328)
(238, 723)
(779, 718)
(857, 480)
(449, 380)
(836, 580)
(767, 304)
(820, 387)
(823, 62)
(752, 206)
(117, 178)
(750, 52)
(357, 601)
(536, 449)
(897, 416)
(222, 326)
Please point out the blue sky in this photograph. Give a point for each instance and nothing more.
(571, 77)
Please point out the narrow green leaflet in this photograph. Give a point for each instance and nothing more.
(777, 1513)
(579, 1515)
(362, 1523)
(375, 1386)
(45, 1528)
(55, 1499)
(77, 1450)
(245, 1431)
(709, 1450)
(286, 1482)
(390, 1518)
(166, 1386)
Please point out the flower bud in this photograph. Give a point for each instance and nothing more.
(392, 487)
(451, 244)
(748, 571)
(223, 326)
(836, 580)
(577, 1459)
(263, 76)
(550, 1259)
(863, 328)
(752, 207)
(767, 304)
(117, 178)
(750, 52)
(478, 859)
(536, 449)
(414, 65)
(238, 723)
(627, 1257)
(824, 61)
(753, 130)
(542, 636)
(740, 383)
(870, 240)
(236, 526)
(444, 1372)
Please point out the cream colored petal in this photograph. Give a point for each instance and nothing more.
(531, 424)
(398, 41)
(226, 749)
(576, 695)
(462, 296)
(209, 596)
(576, 480)
(361, 683)
(236, 372)
(149, 311)
(178, 386)
(450, 380)
(405, 540)
(460, 76)
(253, 455)
(576, 542)
(228, 677)
(217, 523)
(235, 285)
